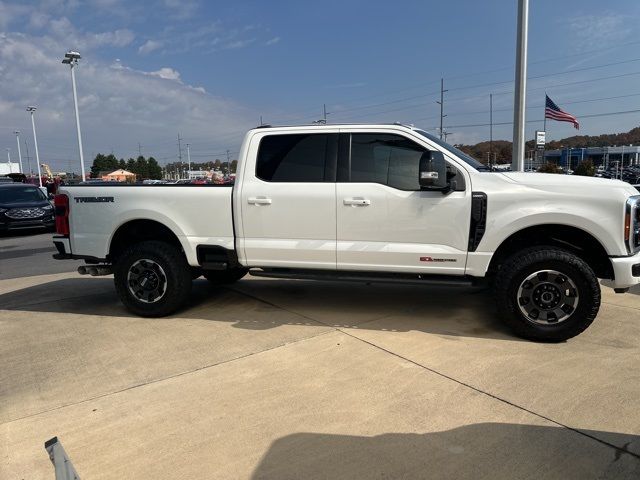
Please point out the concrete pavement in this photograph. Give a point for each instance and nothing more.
(291, 379)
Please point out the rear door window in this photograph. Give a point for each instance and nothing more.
(297, 158)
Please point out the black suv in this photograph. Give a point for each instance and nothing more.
(24, 206)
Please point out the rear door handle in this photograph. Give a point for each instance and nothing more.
(259, 201)
(357, 202)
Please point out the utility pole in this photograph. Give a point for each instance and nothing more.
(19, 152)
(441, 102)
(324, 112)
(26, 146)
(490, 127)
(9, 160)
(228, 163)
(189, 159)
(519, 98)
(261, 121)
(139, 149)
(179, 150)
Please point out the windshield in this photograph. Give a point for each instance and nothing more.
(453, 150)
(21, 194)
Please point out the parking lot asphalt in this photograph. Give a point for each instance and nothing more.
(294, 379)
(29, 252)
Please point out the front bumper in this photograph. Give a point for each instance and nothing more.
(626, 271)
(46, 222)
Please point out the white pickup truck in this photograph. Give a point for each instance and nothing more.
(386, 203)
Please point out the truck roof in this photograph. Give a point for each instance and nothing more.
(322, 125)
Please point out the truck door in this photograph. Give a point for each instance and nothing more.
(385, 221)
(288, 200)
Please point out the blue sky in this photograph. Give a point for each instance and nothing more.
(209, 70)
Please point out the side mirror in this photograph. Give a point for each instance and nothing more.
(433, 172)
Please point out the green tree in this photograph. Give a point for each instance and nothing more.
(131, 165)
(122, 164)
(154, 170)
(141, 168)
(550, 168)
(103, 163)
(585, 169)
(98, 165)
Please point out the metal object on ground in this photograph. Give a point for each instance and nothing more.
(63, 466)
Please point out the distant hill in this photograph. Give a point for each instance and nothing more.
(502, 148)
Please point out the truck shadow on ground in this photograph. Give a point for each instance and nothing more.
(480, 451)
(263, 304)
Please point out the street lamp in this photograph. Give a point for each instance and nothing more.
(17, 132)
(31, 109)
(71, 58)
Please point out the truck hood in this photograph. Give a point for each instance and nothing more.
(552, 181)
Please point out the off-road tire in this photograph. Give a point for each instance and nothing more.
(174, 267)
(224, 277)
(516, 268)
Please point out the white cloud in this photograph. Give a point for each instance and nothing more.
(273, 41)
(119, 106)
(600, 31)
(149, 46)
(11, 12)
(167, 73)
(38, 19)
(182, 9)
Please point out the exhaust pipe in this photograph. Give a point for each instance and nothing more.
(100, 271)
(95, 271)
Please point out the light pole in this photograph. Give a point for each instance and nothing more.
(31, 109)
(521, 87)
(71, 58)
(17, 132)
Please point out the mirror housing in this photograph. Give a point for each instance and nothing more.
(432, 175)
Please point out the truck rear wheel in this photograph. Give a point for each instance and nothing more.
(547, 294)
(224, 277)
(152, 279)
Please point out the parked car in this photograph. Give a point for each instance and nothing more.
(385, 203)
(24, 206)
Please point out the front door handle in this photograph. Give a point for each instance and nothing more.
(259, 201)
(357, 202)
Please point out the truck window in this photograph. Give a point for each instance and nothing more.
(387, 159)
(391, 160)
(295, 158)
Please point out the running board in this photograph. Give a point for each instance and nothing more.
(368, 277)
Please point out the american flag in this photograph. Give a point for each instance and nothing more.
(552, 111)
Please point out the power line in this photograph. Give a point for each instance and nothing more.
(621, 112)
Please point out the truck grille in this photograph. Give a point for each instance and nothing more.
(24, 213)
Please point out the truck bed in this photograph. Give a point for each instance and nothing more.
(196, 214)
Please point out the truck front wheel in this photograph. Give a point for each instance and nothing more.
(152, 279)
(547, 294)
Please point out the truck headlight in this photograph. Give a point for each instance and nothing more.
(632, 224)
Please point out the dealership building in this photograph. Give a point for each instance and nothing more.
(608, 156)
